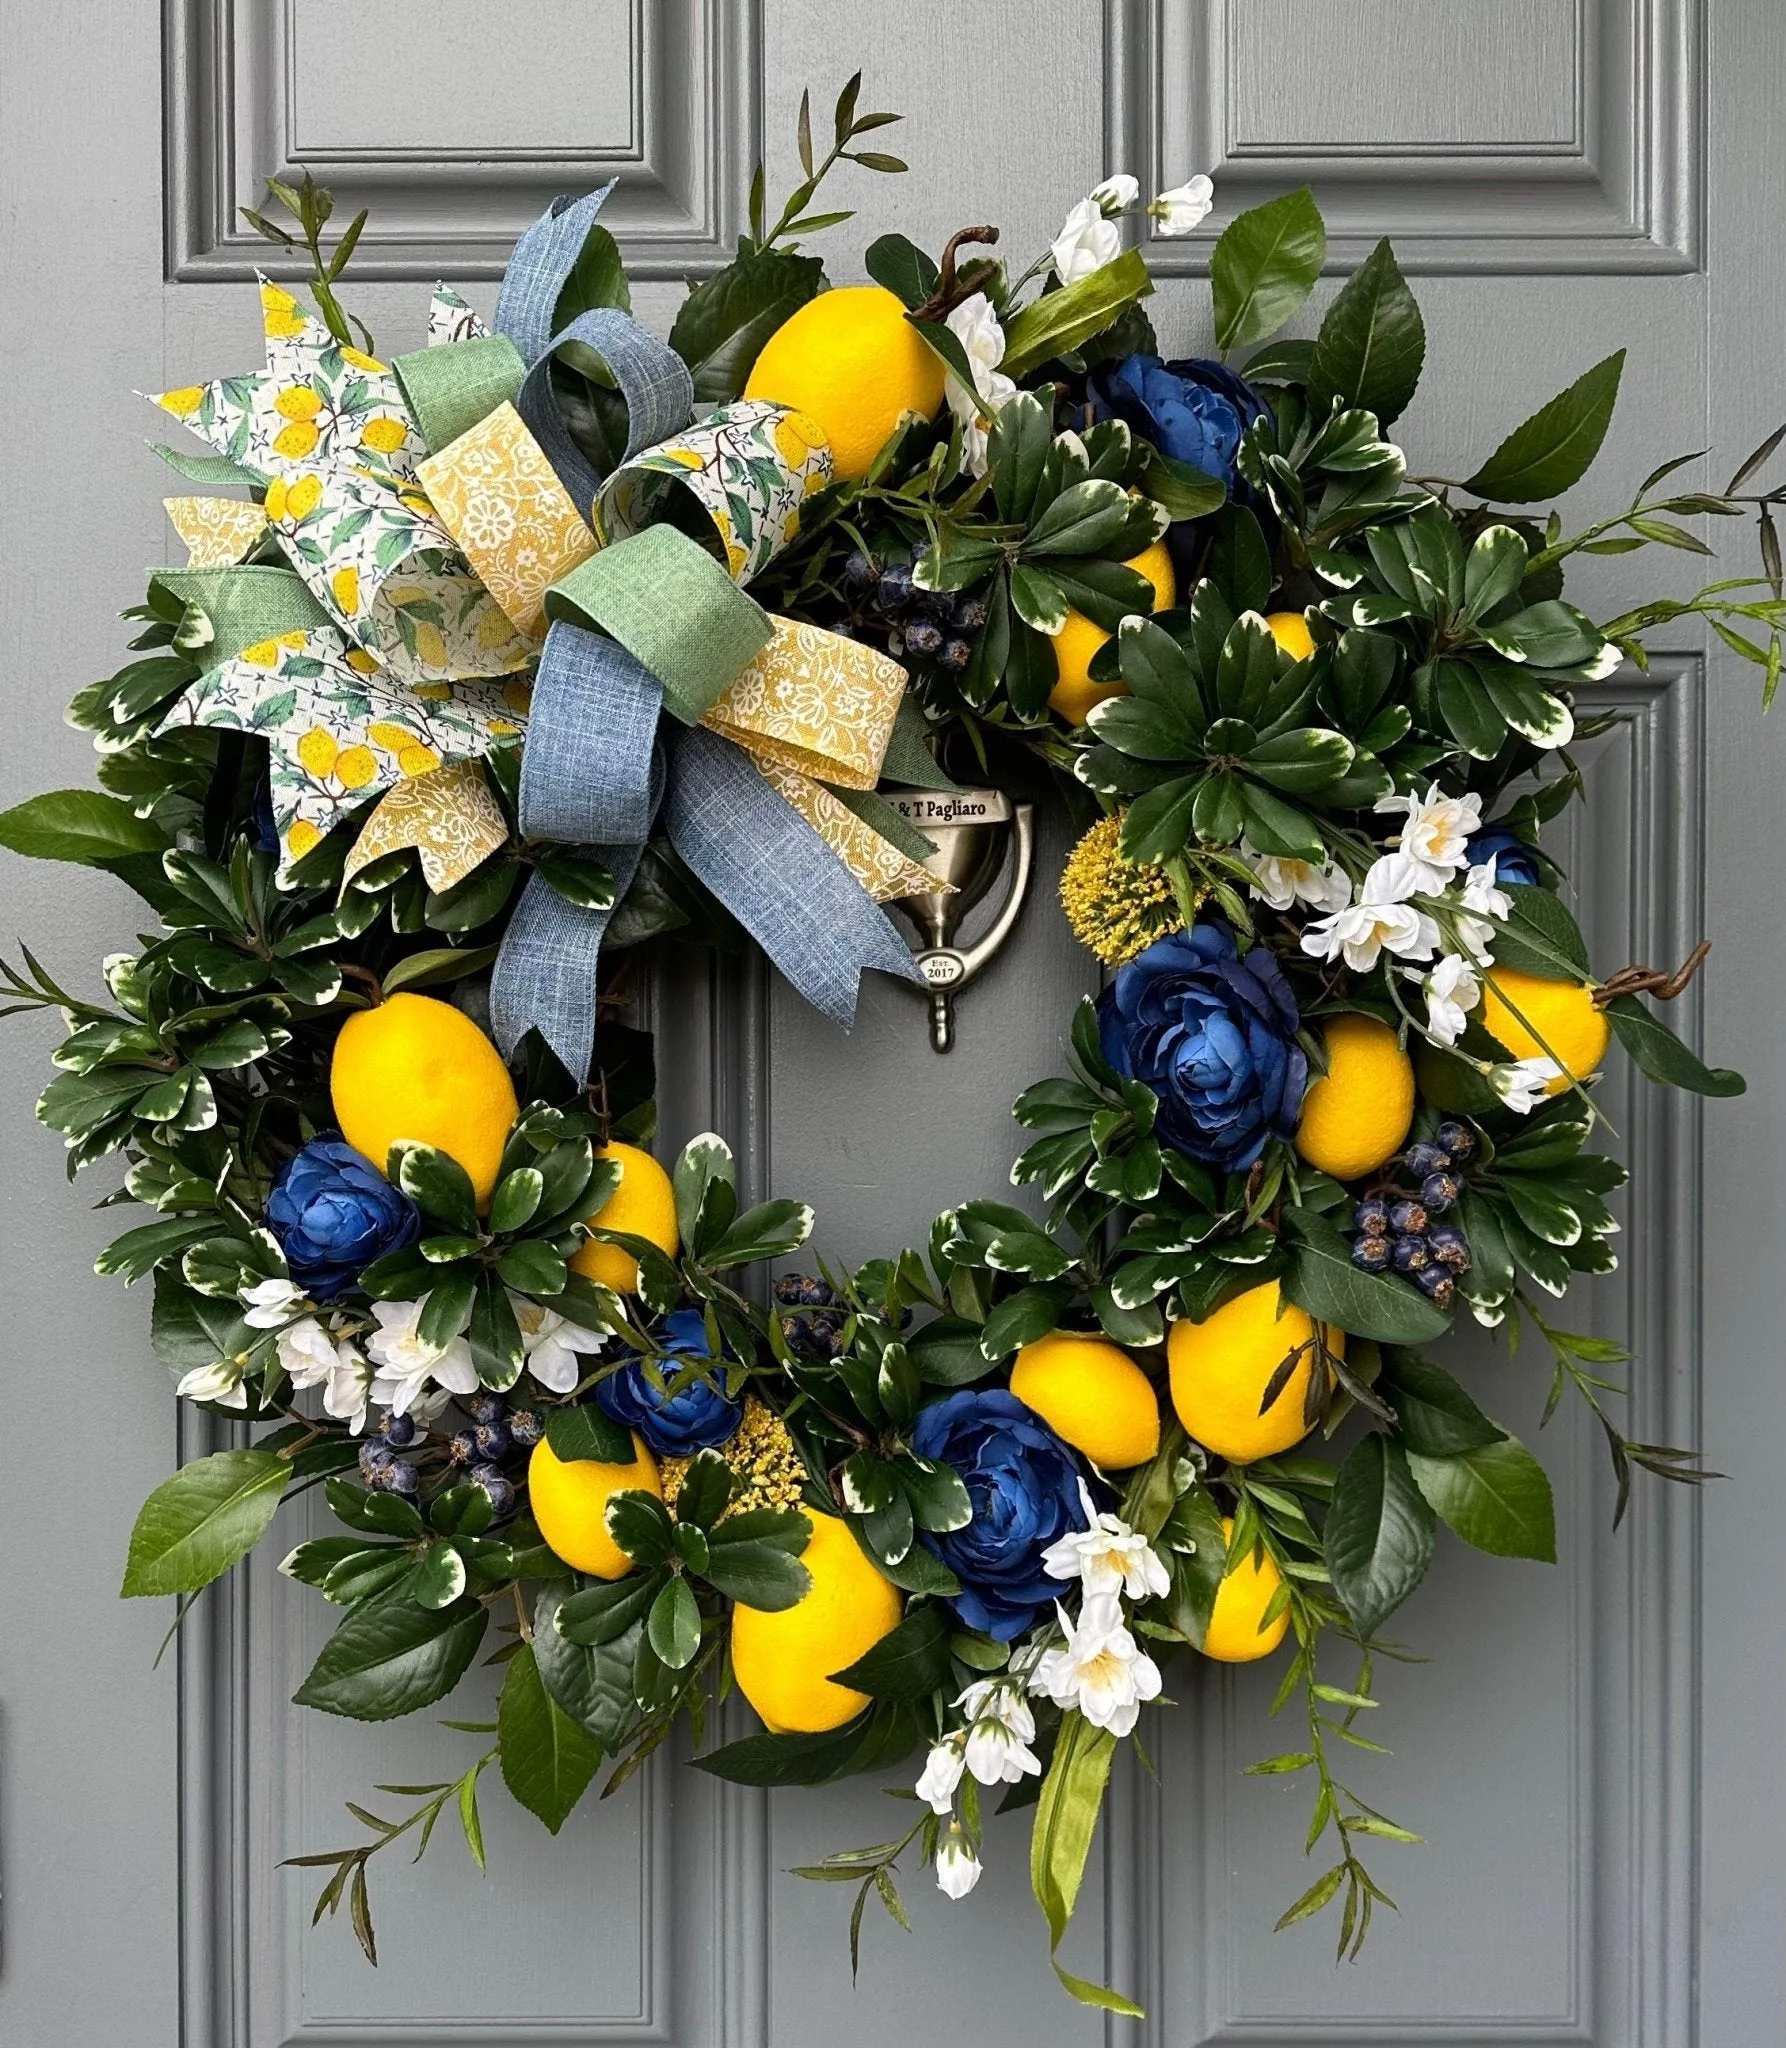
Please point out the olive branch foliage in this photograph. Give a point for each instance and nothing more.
(1444, 646)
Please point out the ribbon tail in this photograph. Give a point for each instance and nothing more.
(545, 974)
(778, 877)
(541, 262)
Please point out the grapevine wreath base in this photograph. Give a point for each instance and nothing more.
(503, 660)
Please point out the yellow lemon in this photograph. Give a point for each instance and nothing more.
(184, 402)
(1555, 1020)
(362, 361)
(356, 767)
(274, 503)
(783, 1662)
(1356, 1115)
(317, 751)
(1222, 1366)
(852, 362)
(298, 402)
(1092, 1394)
(282, 316)
(345, 583)
(417, 759)
(1074, 692)
(569, 1498)
(1234, 1635)
(384, 434)
(301, 837)
(643, 1205)
(361, 662)
(417, 1068)
(797, 437)
(297, 440)
(1290, 631)
(303, 497)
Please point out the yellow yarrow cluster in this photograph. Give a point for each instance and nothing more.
(1117, 907)
(769, 1472)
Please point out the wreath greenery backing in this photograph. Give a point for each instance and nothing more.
(969, 1497)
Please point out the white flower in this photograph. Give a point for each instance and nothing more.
(957, 1867)
(1284, 883)
(1000, 1700)
(941, 1774)
(997, 1757)
(313, 1358)
(1434, 843)
(552, 1342)
(1452, 992)
(406, 1364)
(1481, 896)
(1087, 241)
(1106, 1557)
(1185, 207)
(220, 1382)
(1118, 192)
(271, 1302)
(1378, 922)
(1522, 1085)
(1099, 1669)
(975, 326)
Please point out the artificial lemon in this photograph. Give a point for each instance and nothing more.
(1222, 1366)
(1074, 692)
(643, 1205)
(1561, 1014)
(1356, 1115)
(1092, 1395)
(419, 1069)
(783, 1661)
(853, 362)
(569, 1497)
(1290, 631)
(1234, 1635)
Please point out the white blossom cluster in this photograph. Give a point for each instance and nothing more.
(1090, 1663)
(1088, 240)
(391, 1365)
(1420, 899)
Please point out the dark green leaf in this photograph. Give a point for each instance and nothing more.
(673, 1626)
(548, 1758)
(588, 1431)
(1263, 266)
(1323, 1280)
(437, 1184)
(872, 1741)
(593, 1685)
(908, 1664)
(1372, 342)
(1379, 1534)
(391, 1657)
(1547, 453)
(1059, 321)
(81, 825)
(902, 268)
(725, 320)
(1662, 1055)
(1496, 1497)
(1433, 1414)
(205, 1518)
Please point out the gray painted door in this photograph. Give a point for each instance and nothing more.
(1591, 1751)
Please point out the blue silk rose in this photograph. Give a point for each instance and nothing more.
(1214, 1037)
(1024, 1487)
(333, 1213)
(1516, 860)
(700, 1418)
(1196, 412)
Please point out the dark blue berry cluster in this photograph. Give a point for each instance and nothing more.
(496, 1431)
(815, 1329)
(1397, 1226)
(927, 625)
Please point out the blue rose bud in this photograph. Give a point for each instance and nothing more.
(1024, 1488)
(1516, 860)
(333, 1213)
(1196, 412)
(699, 1418)
(1214, 1037)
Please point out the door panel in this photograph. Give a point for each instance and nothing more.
(1589, 1751)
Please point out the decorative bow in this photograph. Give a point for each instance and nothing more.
(662, 689)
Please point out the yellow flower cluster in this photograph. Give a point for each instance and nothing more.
(1116, 907)
(768, 1470)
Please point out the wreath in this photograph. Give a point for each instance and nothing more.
(551, 641)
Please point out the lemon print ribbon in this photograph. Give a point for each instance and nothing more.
(765, 764)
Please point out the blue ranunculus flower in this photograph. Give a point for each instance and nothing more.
(1024, 1487)
(699, 1418)
(1214, 1037)
(1196, 412)
(1515, 859)
(333, 1213)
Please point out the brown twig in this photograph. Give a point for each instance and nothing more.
(950, 289)
(375, 987)
(1652, 981)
